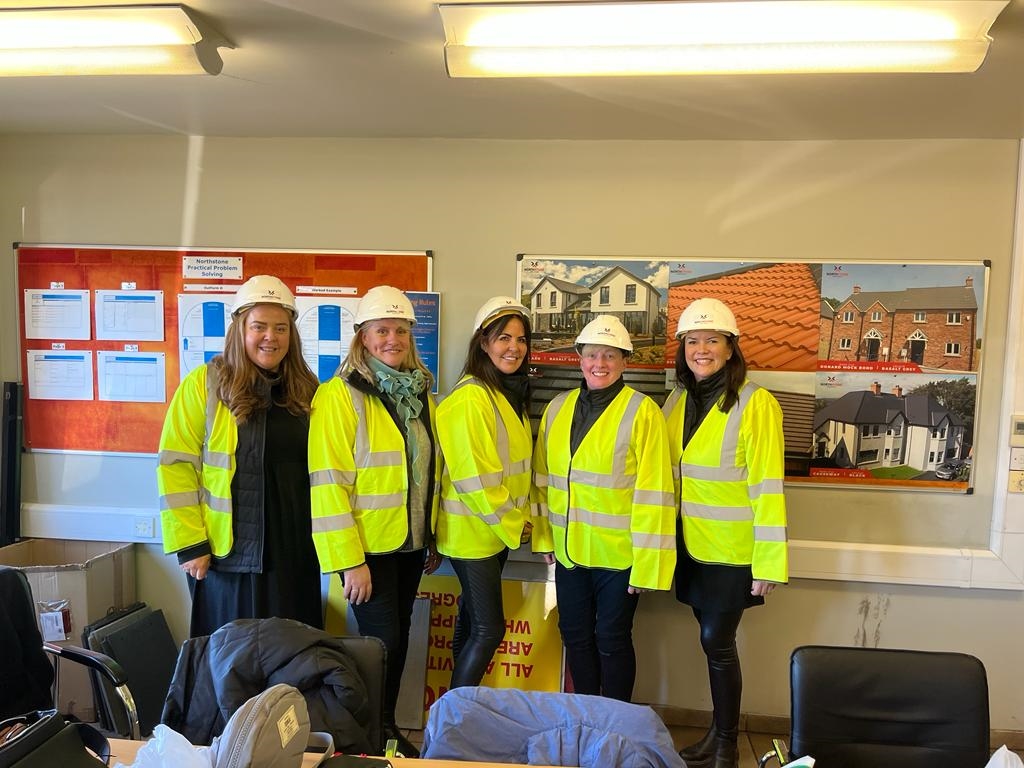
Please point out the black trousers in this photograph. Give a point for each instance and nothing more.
(388, 614)
(480, 626)
(595, 617)
(718, 640)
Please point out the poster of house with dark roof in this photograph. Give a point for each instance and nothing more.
(902, 429)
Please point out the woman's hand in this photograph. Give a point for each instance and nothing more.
(636, 590)
(549, 558)
(527, 531)
(197, 567)
(358, 584)
(762, 588)
(432, 561)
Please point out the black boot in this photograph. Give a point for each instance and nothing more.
(405, 747)
(727, 754)
(698, 753)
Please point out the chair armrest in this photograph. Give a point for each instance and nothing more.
(97, 661)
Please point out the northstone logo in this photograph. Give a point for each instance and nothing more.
(837, 271)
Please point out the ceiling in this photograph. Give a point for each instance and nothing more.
(375, 68)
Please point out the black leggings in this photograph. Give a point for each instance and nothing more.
(480, 626)
(718, 639)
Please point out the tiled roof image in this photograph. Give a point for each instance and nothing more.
(865, 407)
(910, 299)
(777, 309)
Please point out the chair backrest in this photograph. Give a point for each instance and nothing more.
(370, 656)
(868, 707)
(25, 671)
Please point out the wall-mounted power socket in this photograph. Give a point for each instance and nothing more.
(144, 527)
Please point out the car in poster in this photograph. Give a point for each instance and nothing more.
(950, 470)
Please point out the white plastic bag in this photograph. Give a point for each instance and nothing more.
(1004, 758)
(169, 749)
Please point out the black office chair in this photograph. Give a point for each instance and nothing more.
(27, 678)
(869, 707)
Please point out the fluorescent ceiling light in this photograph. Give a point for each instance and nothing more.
(743, 37)
(107, 40)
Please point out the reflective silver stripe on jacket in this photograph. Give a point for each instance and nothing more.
(743, 514)
(769, 533)
(180, 457)
(333, 523)
(216, 503)
(332, 477)
(179, 500)
(666, 541)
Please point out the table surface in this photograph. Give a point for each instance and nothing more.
(123, 750)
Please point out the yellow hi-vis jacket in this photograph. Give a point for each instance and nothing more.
(728, 483)
(194, 480)
(609, 505)
(359, 476)
(485, 486)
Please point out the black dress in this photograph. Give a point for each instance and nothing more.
(287, 583)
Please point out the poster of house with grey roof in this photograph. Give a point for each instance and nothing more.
(896, 393)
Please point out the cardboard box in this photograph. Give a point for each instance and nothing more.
(94, 577)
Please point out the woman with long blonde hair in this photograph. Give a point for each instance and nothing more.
(375, 468)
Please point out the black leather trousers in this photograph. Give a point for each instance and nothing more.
(718, 640)
(480, 625)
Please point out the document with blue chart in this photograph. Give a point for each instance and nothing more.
(325, 327)
(202, 323)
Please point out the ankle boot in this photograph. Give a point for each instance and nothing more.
(726, 754)
(700, 752)
(405, 747)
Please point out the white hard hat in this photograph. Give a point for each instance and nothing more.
(263, 289)
(607, 330)
(707, 315)
(495, 307)
(384, 303)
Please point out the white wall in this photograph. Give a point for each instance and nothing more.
(476, 204)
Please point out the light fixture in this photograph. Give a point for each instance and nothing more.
(107, 40)
(671, 38)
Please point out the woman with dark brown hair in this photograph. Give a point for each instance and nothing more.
(232, 474)
(725, 434)
(484, 431)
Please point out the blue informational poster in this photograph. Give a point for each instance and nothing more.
(427, 331)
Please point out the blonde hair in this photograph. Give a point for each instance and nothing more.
(357, 354)
(239, 379)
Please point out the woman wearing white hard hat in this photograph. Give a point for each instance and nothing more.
(485, 435)
(728, 450)
(604, 491)
(375, 469)
(233, 481)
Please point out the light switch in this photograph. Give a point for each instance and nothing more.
(1017, 458)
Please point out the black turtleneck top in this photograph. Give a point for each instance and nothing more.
(589, 407)
(701, 397)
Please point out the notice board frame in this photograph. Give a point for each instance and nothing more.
(131, 428)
